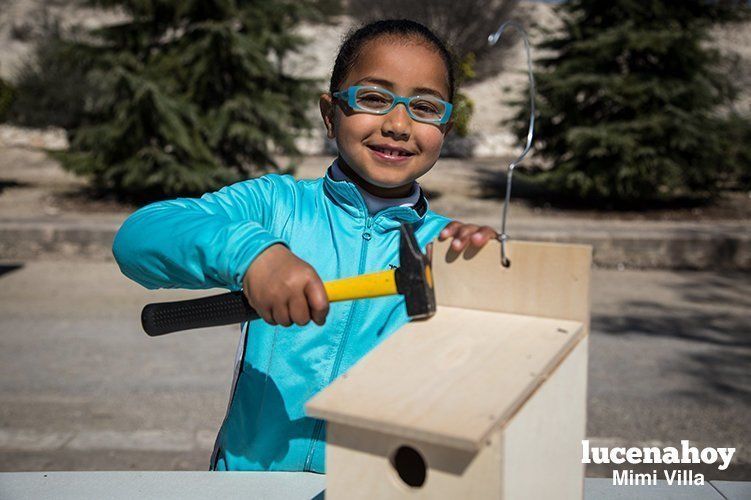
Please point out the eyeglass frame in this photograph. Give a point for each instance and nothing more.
(350, 94)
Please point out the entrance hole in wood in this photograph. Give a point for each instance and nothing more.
(410, 466)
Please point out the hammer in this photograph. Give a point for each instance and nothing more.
(412, 278)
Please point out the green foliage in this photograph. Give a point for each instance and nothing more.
(7, 94)
(627, 105)
(188, 96)
(51, 86)
(464, 107)
(737, 148)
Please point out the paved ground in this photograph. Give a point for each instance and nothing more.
(81, 387)
(670, 359)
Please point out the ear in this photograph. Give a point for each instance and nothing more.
(449, 125)
(326, 104)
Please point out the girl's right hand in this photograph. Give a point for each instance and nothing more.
(285, 289)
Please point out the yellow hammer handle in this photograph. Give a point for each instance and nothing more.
(363, 286)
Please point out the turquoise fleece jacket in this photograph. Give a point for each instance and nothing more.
(210, 241)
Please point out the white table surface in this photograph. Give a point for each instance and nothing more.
(279, 485)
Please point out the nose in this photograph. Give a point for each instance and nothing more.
(397, 123)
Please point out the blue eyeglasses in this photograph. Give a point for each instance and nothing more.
(379, 101)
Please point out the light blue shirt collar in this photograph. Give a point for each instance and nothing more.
(346, 194)
(375, 203)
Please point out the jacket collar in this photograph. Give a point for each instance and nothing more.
(345, 194)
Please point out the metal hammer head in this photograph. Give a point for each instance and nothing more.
(414, 278)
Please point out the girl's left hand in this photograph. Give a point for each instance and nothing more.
(465, 234)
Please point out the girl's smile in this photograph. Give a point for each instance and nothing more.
(390, 153)
(386, 153)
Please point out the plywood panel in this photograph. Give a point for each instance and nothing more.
(542, 443)
(449, 380)
(550, 280)
(359, 466)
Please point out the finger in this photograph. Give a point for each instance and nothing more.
(482, 236)
(318, 301)
(280, 313)
(265, 314)
(298, 309)
(449, 230)
(467, 230)
(458, 245)
(462, 238)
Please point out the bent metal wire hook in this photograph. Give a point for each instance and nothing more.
(492, 40)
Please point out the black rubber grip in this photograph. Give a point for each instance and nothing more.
(225, 309)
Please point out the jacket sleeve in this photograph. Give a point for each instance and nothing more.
(201, 242)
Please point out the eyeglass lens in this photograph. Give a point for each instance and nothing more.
(425, 107)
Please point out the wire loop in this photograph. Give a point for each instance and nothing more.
(492, 40)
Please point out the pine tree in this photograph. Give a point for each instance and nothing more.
(6, 98)
(189, 95)
(627, 103)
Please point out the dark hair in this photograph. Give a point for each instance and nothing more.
(356, 38)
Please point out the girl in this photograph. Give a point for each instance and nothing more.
(389, 109)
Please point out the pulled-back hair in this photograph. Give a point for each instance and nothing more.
(356, 39)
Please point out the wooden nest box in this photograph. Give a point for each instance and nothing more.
(487, 399)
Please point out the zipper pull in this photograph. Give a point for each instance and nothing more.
(368, 222)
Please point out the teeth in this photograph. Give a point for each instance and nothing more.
(390, 152)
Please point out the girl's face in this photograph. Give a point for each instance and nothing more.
(402, 68)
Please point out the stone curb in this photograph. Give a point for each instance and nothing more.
(642, 246)
(650, 250)
(83, 240)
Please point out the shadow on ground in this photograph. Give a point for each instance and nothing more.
(9, 268)
(5, 184)
(722, 368)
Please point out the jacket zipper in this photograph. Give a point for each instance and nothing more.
(366, 236)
